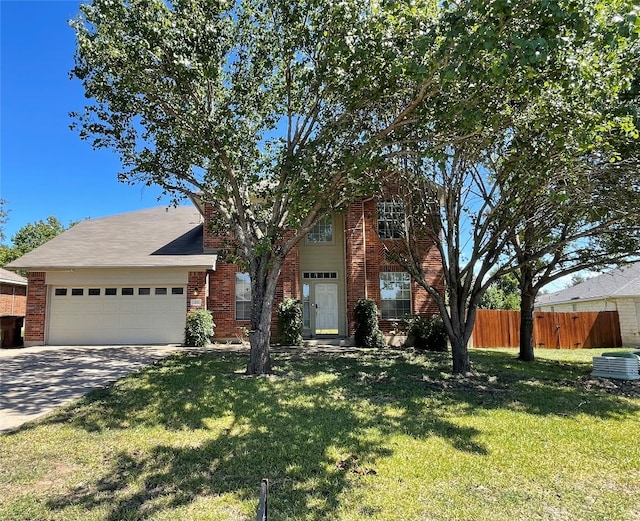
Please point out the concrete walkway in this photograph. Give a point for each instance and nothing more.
(36, 380)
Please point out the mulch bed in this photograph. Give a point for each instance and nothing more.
(482, 383)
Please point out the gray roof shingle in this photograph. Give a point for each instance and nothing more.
(156, 237)
(9, 277)
(621, 282)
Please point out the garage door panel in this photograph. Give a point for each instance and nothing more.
(110, 306)
(116, 319)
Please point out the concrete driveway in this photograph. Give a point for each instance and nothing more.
(36, 380)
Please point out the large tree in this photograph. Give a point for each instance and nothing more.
(521, 58)
(583, 217)
(574, 156)
(274, 112)
(453, 202)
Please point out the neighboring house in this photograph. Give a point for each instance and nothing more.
(131, 278)
(617, 290)
(13, 294)
(13, 304)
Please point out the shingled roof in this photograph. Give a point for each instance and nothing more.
(9, 277)
(154, 238)
(619, 283)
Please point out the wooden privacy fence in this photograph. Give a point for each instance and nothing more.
(574, 330)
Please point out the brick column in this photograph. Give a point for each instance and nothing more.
(221, 301)
(288, 285)
(355, 260)
(36, 309)
(197, 289)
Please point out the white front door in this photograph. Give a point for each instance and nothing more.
(326, 295)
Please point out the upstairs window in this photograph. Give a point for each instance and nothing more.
(390, 219)
(322, 232)
(243, 296)
(395, 294)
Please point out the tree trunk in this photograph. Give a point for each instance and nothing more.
(460, 355)
(260, 356)
(456, 325)
(527, 300)
(263, 290)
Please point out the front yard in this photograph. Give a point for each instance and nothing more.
(377, 435)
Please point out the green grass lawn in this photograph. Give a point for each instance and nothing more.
(376, 435)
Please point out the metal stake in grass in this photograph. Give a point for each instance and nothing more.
(262, 504)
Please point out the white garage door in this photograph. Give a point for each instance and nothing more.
(103, 315)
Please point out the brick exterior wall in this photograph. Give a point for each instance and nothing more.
(222, 302)
(197, 290)
(364, 261)
(364, 258)
(222, 296)
(356, 231)
(288, 285)
(36, 309)
(13, 300)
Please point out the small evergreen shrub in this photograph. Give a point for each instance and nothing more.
(199, 329)
(367, 333)
(427, 333)
(290, 322)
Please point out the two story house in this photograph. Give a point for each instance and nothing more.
(131, 278)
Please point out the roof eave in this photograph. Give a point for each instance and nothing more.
(574, 300)
(13, 282)
(198, 267)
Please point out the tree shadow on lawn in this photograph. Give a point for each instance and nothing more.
(315, 430)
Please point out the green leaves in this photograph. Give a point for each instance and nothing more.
(29, 237)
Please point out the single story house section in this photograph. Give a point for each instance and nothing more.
(128, 278)
(132, 278)
(13, 294)
(617, 290)
(13, 305)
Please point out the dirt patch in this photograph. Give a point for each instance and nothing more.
(482, 383)
(472, 382)
(629, 388)
(56, 477)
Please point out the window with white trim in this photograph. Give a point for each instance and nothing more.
(390, 219)
(395, 294)
(322, 232)
(243, 296)
(306, 306)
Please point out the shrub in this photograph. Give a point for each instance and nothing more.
(290, 322)
(367, 333)
(199, 329)
(427, 333)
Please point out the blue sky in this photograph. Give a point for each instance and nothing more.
(45, 168)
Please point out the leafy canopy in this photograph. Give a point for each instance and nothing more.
(29, 237)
